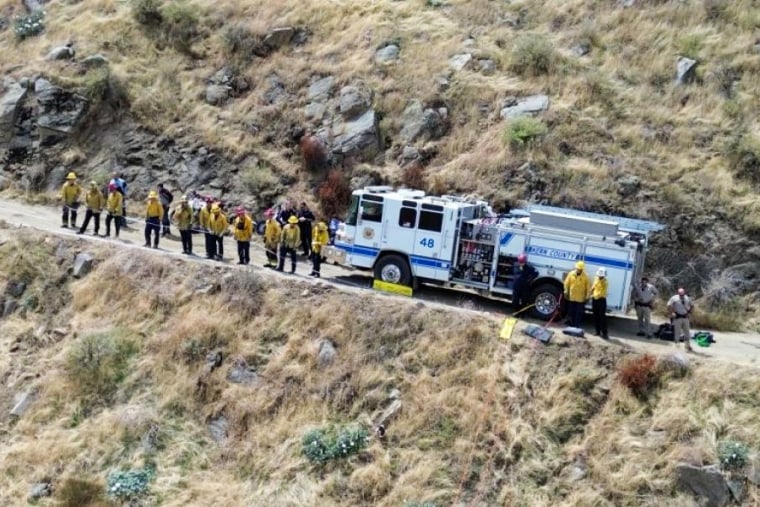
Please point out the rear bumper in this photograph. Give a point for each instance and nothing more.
(334, 255)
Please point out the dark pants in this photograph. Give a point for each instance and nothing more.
(210, 245)
(599, 309)
(520, 295)
(165, 221)
(244, 252)
(271, 256)
(116, 221)
(65, 218)
(316, 262)
(218, 242)
(575, 313)
(284, 252)
(305, 237)
(91, 214)
(187, 241)
(152, 224)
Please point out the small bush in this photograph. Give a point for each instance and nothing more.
(532, 55)
(733, 455)
(413, 176)
(130, 484)
(75, 492)
(314, 153)
(524, 131)
(147, 12)
(29, 26)
(743, 153)
(180, 26)
(690, 46)
(639, 374)
(334, 194)
(325, 444)
(239, 41)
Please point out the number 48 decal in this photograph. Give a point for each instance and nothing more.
(427, 242)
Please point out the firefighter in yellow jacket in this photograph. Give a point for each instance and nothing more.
(242, 230)
(577, 287)
(272, 233)
(154, 213)
(290, 238)
(203, 215)
(598, 297)
(217, 226)
(114, 209)
(319, 238)
(95, 202)
(71, 194)
(182, 215)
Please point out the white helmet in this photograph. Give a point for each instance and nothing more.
(601, 272)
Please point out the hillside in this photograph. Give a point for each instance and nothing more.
(574, 103)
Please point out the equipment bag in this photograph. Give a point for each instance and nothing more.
(703, 338)
(573, 331)
(666, 332)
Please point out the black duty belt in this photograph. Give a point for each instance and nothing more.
(648, 305)
(682, 316)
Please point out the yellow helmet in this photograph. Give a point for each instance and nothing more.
(183, 198)
(292, 220)
(580, 265)
(94, 184)
(71, 176)
(152, 194)
(215, 208)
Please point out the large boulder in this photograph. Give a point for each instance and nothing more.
(527, 106)
(61, 111)
(419, 122)
(359, 137)
(10, 104)
(706, 483)
(216, 95)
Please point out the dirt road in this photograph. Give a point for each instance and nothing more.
(740, 348)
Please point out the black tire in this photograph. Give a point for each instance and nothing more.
(545, 299)
(393, 269)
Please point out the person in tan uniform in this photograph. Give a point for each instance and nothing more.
(95, 202)
(680, 307)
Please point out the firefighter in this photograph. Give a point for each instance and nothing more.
(154, 214)
(182, 215)
(524, 274)
(166, 198)
(577, 287)
(71, 193)
(290, 238)
(320, 237)
(305, 220)
(598, 295)
(217, 226)
(272, 232)
(113, 209)
(680, 307)
(121, 185)
(242, 228)
(95, 202)
(644, 296)
(203, 220)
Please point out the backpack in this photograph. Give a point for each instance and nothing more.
(666, 332)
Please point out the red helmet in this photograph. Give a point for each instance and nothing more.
(209, 199)
(240, 211)
(112, 187)
(522, 258)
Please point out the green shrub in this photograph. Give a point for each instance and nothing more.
(733, 455)
(29, 26)
(239, 40)
(77, 492)
(130, 484)
(524, 131)
(180, 26)
(97, 363)
(325, 444)
(690, 46)
(147, 12)
(532, 55)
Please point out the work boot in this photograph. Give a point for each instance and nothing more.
(65, 225)
(147, 245)
(80, 231)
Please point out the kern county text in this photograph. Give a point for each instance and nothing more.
(554, 254)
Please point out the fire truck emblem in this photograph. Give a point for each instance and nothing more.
(368, 233)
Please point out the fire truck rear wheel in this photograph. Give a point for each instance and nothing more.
(545, 299)
(393, 269)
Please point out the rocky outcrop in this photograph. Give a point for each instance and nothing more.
(354, 100)
(224, 84)
(527, 106)
(359, 138)
(423, 123)
(706, 483)
(61, 111)
(12, 98)
(82, 265)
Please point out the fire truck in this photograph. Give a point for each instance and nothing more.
(406, 237)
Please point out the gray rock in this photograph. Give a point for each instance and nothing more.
(15, 289)
(10, 105)
(628, 185)
(395, 394)
(459, 62)
(420, 123)
(213, 360)
(756, 47)
(627, 3)
(9, 307)
(487, 67)
(581, 49)
(707, 483)
(528, 106)
(408, 155)
(389, 413)
(276, 91)
(82, 264)
(327, 353)
(736, 487)
(577, 471)
(241, 373)
(442, 83)
(61, 53)
(358, 137)
(33, 5)
(685, 70)
(45, 91)
(315, 111)
(387, 54)
(40, 490)
(676, 363)
(62, 111)
(216, 95)
(753, 473)
(21, 403)
(353, 101)
(279, 37)
(94, 61)
(218, 428)
(149, 440)
(319, 90)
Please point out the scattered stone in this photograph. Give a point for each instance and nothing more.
(676, 363)
(208, 289)
(94, 61)
(82, 264)
(753, 473)
(359, 137)
(408, 155)
(276, 91)
(581, 49)
(387, 54)
(150, 439)
(442, 83)
(60, 332)
(33, 5)
(10, 105)
(628, 185)
(214, 360)
(279, 37)
(736, 487)
(705, 482)
(216, 95)
(327, 353)
(40, 490)
(395, 394)
(528, 106)
(487, 67)
(315, 111)
(388, 414)
(459, 62)
(61, 53)
(577, 471)
(685, 70)
(319, 90)
(9, 307)
(421, 123)
(241, 373)
(218, 428)
(353, 101)
(21, 403)
(15, 289)
(627, 3)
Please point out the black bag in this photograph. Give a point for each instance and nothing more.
(666, 332)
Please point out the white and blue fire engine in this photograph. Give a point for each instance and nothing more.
(406, 237)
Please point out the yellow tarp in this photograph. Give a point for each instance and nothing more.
(392, 287)
(507, 328)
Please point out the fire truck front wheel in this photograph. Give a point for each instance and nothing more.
(393, 269)
(545, 299)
